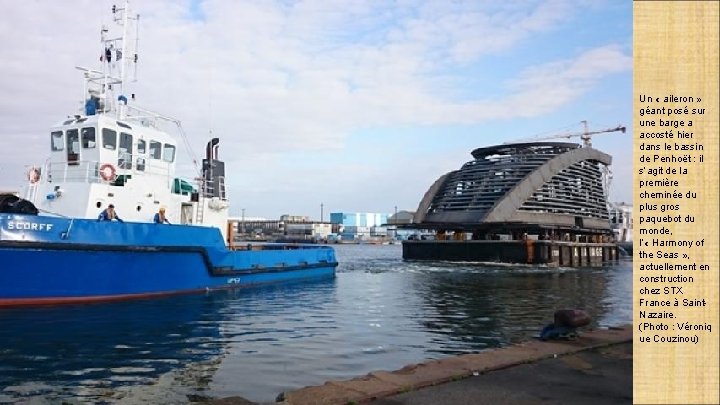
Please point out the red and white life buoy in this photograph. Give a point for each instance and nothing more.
(33, 175)
(107, 172)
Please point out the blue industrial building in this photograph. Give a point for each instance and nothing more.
(360, 225)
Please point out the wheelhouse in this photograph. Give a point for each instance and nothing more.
(99, 148)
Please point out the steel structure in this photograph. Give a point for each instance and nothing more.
(521, 186)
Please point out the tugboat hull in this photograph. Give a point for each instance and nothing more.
(57, 260)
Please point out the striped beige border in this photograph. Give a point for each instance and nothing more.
(676, 53)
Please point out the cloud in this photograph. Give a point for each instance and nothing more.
(306, 75)
(544, 88)
(293, 80)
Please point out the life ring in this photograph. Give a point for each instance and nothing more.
(107, 172)
(33, 175)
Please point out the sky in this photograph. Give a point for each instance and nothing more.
(333, 106)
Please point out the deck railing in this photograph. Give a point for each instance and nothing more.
(88, 171)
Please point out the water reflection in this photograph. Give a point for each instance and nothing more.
(379, 313)
(490, 307)
(162, 350)
(90, 352)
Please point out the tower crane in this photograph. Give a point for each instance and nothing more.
(586, 135)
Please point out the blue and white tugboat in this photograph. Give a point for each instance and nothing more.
(53, 247)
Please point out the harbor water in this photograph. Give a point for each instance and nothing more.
(379, 313)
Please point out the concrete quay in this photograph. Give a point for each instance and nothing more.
(594, 368)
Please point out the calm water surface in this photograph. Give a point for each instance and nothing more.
(379, 313)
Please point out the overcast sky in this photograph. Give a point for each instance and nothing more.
(356, 105)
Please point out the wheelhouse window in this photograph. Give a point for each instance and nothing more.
(141, 147)
(56, 141)
(88, 138)
(155, 149)
(140, 164)
(125, 149)
(169, 153)
(73, 146)
(109, 139)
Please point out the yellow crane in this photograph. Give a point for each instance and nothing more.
(586, 135)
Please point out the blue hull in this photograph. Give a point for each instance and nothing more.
(47, 260)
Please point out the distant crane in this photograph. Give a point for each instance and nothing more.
(586, 135)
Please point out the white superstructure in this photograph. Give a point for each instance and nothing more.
(621, 221)
(113, 152)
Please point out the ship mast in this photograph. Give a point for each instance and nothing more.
(104, 85)
(123, 16)
(123, 54)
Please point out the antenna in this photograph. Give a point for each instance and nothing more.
(137, 45)
(109, 84)
(119, 57)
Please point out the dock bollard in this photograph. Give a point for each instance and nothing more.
(565, 324)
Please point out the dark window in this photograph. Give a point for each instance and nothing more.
(109, 139)
(141, 147)
(56, 141)
(169, 153)
(155, 149)
(125, 149)
(140, 164)
(73, 146)
(88, 138)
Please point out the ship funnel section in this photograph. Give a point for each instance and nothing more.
(213, 171)
(211, 151)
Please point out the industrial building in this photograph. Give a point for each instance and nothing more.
(360, 225)
(343, 226)
(288, 228)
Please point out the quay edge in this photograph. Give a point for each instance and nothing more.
(382, 384)
(414, 378)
